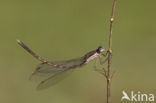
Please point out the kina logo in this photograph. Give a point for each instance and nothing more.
(137, 97)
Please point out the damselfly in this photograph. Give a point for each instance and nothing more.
(49, 73)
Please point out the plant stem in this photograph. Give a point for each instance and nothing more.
(110, 54)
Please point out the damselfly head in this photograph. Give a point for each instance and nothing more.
(100, 49)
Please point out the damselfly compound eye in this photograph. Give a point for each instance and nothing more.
(100, 49)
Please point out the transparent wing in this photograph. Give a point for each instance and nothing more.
(44, 71)
(50, 75)
(54, 79)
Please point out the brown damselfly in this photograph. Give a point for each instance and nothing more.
(49, 73)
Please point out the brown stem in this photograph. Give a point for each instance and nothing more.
(110, 53)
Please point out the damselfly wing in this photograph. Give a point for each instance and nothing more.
(49, 75)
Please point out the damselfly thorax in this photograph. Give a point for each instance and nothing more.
(49, 73)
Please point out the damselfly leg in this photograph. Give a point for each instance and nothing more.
(101, 71)
(102, 61)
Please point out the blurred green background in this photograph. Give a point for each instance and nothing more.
(65, 29)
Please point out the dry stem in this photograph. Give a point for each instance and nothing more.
(109, 77)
